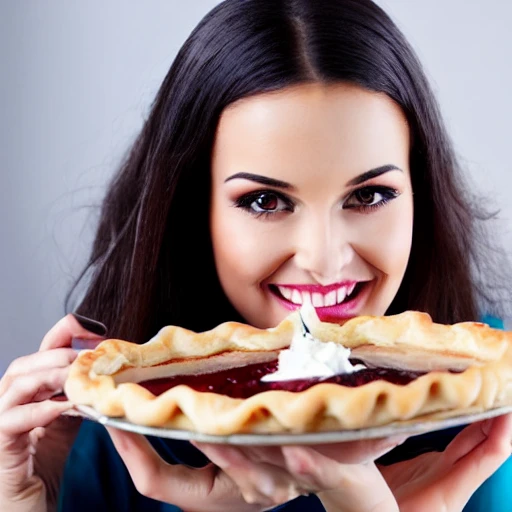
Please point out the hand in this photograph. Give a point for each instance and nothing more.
(34, 438)
(446, 480)
(249, 479)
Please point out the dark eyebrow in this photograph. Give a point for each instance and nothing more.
(373, 173)
(263, 180)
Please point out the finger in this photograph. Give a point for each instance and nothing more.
(61, 334)
(81, 344)
(259, 482)
(357, 452)
(485, 458)
(317, 471)
(467, 440)
(269, 454)
(57, 358)
(37, 434)
(155, 478)
(352, 452)
(24, 418)
(36, 386)
(340, 484)
(473, 463)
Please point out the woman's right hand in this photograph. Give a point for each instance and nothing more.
(34, 438)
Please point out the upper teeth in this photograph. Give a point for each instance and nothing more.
(319, 300)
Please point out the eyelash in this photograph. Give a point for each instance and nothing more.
(387, 193)
(245, 202)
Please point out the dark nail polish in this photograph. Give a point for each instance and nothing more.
(91, 325)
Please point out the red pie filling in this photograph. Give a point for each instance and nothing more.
(245, 382)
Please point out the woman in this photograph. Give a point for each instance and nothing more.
(291, 144)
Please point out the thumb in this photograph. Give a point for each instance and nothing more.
(474, 460)
(182, 486)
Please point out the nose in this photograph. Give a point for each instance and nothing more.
(323, 249)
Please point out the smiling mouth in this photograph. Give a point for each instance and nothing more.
(327, 298)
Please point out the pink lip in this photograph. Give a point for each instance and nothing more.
(334, 314)
(316, 288)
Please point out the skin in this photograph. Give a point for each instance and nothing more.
(34, 438)
(317, 139)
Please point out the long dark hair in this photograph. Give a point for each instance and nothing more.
(151, 262)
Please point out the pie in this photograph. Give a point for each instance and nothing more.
(210, 382)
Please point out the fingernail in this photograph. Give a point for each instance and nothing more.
(266, 485)
(81, 344)
(298, 460)
(91, 325)
(65, 405)
(486, 426)
(389, 444)
(398, 439)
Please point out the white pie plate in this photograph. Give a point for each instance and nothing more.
(438, 421)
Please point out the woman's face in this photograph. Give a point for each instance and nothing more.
(311, 199)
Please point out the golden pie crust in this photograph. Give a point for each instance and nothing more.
(106, 378)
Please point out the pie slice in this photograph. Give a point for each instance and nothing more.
(402, 368)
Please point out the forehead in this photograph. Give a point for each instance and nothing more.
(311, 127)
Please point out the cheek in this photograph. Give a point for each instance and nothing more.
(245, 249)
(385, 241)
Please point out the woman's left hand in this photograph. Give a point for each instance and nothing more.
(280, 474)
(446, 480)
(256, 478)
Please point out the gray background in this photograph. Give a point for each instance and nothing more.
(77, 78)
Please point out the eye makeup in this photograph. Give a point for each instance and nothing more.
(268, 202)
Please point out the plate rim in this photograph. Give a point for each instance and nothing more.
(410, 428)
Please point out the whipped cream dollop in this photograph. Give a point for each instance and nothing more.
(308, 357)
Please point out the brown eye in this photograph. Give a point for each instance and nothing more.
(266, 202)
(365, 196)
(370, 198)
